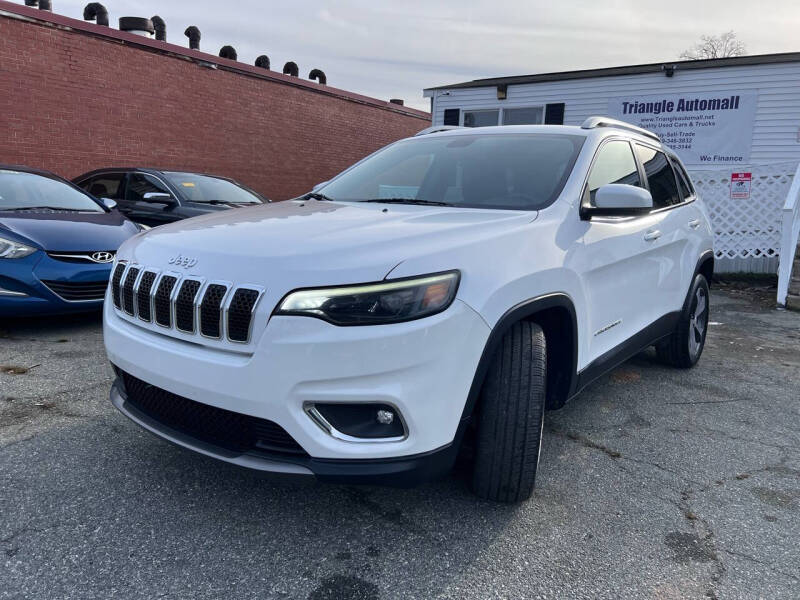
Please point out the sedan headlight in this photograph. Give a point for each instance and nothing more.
(375, 303)
(11, 249)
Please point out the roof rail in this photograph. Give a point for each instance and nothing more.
(437, 129)
(593, 122)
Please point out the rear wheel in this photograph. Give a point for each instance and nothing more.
(511, 417)
(684, 346)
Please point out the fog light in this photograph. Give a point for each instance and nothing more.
(385, 417)
(359, 422)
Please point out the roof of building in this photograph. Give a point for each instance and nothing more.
(47, 18)
(679, 65)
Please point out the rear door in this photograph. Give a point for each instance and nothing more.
(147, 212)
(669, 240)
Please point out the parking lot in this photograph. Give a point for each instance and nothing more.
(654, 483)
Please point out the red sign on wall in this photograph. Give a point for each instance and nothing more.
(740, 185)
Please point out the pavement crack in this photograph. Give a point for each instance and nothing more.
(705, 537)
(587, 442)
(763, 563)
(707, 402)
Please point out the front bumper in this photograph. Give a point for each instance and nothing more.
(424, 368)
(23, 293)
(399, 472)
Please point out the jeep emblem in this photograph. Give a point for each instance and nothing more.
(183, 261)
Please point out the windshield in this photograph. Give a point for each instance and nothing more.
(204, 188)
(513, 171)
(20, 190)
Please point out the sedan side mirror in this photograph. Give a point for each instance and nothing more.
(158, 198)
(109, 203)
(619, 199)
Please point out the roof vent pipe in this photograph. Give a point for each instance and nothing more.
(319, 76)
(96, 12)
(137, 26)
(291, 68)
(42, 4)
(160, 27)
(397, 101)
(263, 61)
(193, 33)
(228, 52)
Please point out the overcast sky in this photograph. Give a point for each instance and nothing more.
(395, 49)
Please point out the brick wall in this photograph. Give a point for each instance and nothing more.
(76, 97)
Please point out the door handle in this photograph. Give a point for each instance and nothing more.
(652, 235)
(694, 224)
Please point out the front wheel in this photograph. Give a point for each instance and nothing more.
(511, 417)
(684, 346)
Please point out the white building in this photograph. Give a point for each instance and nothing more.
(735, 122)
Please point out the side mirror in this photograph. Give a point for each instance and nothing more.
(158, 198)
(319, 186)
(109, 203)
(619, 199)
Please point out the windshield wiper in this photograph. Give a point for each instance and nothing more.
(22, 208)
(317, 196)
(408, 201)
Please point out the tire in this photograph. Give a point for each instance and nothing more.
(683, 348)
(511, 416)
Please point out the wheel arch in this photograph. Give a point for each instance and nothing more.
(705, 266)
(555, 314)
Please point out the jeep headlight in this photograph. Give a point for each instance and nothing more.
(390, 301)
(11, 249)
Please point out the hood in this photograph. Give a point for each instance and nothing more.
(68, 231)
(314, 242)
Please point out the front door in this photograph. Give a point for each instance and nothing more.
(621, 259)
(139, 210)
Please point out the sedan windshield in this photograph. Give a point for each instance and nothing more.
(523, 171)
(205, 188)
(28, 191)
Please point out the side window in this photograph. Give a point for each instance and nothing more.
(105, 186)
(684, 183)
(614, 163)
(140, 184)
(660, 177)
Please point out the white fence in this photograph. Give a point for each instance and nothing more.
(789, 235)
(747, 232)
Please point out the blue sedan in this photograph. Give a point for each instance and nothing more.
(57, 244)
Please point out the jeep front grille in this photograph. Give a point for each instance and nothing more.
(127, 290)
(210, 310)
(239, 313)
(163, 300)
(184, 305)
(143, 295)
(115, 281)
(188, 305)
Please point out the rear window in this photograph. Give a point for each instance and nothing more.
(508, 171)
(20, 190)
(684, 183)
(660, 177)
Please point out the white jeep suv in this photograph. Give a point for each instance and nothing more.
(447, 288)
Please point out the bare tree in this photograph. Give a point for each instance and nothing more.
(715, 46)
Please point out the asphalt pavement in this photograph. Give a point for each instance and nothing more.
(654, 483)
